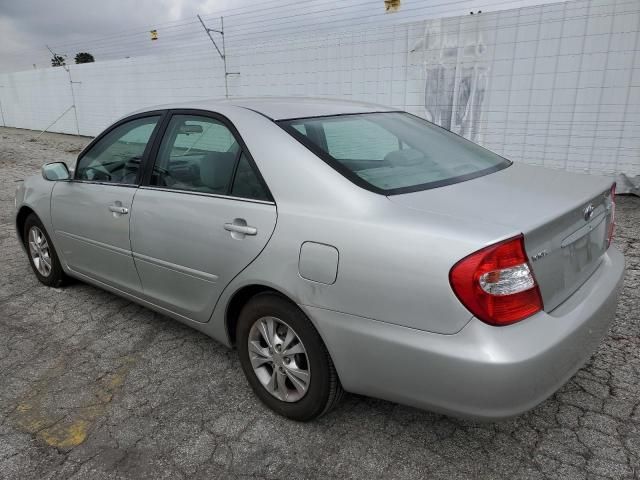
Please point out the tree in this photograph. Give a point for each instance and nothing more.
(58, 60)
(84, 57)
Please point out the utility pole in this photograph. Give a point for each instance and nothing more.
(73, 95)
(4, 124)
(223, 53)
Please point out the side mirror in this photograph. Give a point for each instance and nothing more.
(55, 171)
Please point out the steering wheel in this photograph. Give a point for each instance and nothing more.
(96, 175)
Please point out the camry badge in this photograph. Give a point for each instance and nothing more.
(588, 212)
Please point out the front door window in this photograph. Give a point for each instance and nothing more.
(117, 157)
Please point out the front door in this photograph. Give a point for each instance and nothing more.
(91, 213)
(201, 218)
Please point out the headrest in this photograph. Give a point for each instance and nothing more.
(216, 169)
(404, 158)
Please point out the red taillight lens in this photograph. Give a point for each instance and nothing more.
(496, 283)
(612, 223)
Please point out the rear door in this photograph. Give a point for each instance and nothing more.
(201, 216)
(90, 213)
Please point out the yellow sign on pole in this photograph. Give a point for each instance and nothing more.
(154, 34)
(391, 5)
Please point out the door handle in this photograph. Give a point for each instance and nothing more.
(118, 209)
(243, 229)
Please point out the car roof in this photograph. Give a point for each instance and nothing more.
(281, 108)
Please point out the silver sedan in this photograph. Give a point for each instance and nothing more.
(339, 246)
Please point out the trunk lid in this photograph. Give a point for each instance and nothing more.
(564, 217)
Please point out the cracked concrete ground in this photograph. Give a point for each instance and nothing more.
(93, 386)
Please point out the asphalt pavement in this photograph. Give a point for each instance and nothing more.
(93, 386)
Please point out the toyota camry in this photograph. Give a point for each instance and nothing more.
(339, 246)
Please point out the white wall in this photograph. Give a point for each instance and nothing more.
(555, 85)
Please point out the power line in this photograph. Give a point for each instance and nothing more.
(123, 47)
(456, 29)
(118, 37)
(303, 45)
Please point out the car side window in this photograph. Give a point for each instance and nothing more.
(196, 154)
(246, 183)
(117, 157)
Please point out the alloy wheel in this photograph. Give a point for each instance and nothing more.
(39, 251)
(279, 359)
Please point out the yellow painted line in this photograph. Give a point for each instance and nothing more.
(67, 431)
(66, 436)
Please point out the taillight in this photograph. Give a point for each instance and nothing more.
(496, 283)
(612, 222)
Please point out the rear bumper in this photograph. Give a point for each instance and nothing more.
(482, 372)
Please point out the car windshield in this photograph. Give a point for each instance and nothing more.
(393, 152)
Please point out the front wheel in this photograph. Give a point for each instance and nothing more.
(285, 360)
(42, 255)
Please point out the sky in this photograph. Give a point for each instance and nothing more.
(111, 29)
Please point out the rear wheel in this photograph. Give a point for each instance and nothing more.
(285, 360)
(42, 255)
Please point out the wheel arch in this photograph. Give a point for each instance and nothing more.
(21, 218)
(239, 299)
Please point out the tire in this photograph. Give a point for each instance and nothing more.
(53, 276)
(323, 389)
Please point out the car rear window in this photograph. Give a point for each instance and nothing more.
(393, 152)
